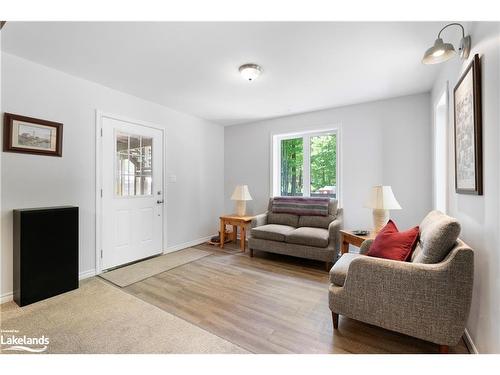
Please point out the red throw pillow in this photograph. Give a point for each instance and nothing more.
(393, 244)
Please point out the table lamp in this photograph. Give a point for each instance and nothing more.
(381, 201)
(241, 195)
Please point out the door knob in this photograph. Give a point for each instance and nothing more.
(159, 201)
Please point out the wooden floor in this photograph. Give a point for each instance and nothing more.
(267, 304)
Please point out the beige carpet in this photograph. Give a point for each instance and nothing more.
(99, 318)
(128, 275)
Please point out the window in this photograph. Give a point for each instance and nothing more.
(133, 165)
(305, 164)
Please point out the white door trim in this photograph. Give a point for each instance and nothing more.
(98, 179)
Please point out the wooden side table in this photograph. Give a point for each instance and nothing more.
(235, 221)
(348, 238)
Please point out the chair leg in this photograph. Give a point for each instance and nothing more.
(444, 349)
(335, 320)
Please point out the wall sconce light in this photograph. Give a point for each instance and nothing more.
(441, 51)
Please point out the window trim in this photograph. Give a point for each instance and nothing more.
(275, 162)
(443, 94)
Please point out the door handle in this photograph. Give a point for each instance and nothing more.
(159, 201)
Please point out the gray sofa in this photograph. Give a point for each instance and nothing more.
(312, 237)
(428, 298)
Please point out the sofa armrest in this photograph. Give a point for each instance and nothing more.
(259, 220)
(365, 246)
(410, 297)
(334, 230)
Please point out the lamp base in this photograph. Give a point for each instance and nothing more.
(380, 219)
(241, 208)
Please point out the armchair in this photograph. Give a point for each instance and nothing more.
(430, 301)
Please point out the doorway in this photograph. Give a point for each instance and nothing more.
(130, 198)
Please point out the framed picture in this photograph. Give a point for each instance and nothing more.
(32, 136)
(468, 134)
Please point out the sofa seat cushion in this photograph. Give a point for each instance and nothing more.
(338, 272)
(317, 237)
(273, 232)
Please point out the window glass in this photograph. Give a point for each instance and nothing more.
(134, 175)
(323, 166)
(306, 164)
(292, 159)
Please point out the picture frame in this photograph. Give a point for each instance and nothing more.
(30, 135)
(468, 131)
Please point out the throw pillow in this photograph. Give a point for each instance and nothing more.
(390, 243)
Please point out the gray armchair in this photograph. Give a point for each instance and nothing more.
(424, 299)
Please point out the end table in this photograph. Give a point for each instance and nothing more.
(235, 221)
(349, 238)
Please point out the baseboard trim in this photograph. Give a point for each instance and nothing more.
(185, 245)
(469, 343)
(9, 296)
(6, 297)
(86, 274)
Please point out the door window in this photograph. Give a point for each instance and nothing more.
(133, 160)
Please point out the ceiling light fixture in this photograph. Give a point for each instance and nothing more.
(441, 51)
(250, 72)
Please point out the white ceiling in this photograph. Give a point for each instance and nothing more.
(193, 67)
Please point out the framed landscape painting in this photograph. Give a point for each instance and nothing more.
(32, 136)
(468, 133)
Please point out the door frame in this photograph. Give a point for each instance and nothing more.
(99, 115)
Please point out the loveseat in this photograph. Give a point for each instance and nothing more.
(295, 226)
(428, 297)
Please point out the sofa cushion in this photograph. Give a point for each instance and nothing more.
(390, 243)
(338, 272)
(315, 221)
(317, 237)
(307, 206)
(283, 219)
(273, 232)
(438, 235)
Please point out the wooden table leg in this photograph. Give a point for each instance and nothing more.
(221, 233)
(345, 246)
(235, 233)
(243, 233)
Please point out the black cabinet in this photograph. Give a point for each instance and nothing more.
(45, 253)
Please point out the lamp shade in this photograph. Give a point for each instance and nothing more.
(382, 198)
(439, 52)
(241, 193)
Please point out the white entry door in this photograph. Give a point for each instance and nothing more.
(132, 192)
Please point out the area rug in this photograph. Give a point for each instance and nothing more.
(100, 318)
(133, 273)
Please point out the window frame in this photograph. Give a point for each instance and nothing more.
(275, 168)
(440, 187)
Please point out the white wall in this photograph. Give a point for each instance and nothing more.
(479, 215)
(194, 153)
(383, 142)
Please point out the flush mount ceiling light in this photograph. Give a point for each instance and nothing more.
(250, 72)
(441, 51)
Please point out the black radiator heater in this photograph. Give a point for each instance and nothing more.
(45, 253)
